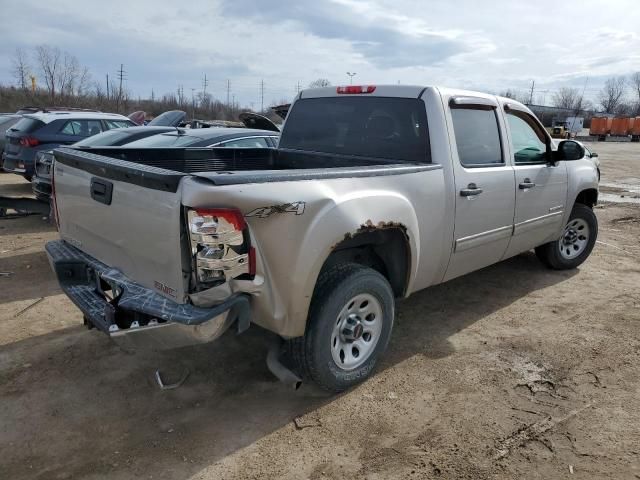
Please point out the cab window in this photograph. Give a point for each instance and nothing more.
(477, 137)
(527, 145)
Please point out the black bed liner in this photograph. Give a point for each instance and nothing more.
(163, 168)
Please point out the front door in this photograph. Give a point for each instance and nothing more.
(540, 188)
(484, 183)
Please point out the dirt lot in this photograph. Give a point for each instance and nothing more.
(511, 372)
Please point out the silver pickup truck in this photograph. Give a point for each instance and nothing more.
(374, 192)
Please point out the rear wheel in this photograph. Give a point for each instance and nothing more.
(350, 323)
(576, 242)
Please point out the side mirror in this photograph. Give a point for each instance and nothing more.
(570, 150)
(594, 154)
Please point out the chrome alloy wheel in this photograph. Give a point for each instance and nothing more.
(356, 331)
(574, 239)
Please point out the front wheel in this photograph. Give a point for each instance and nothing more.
(349, 327)
(576, 242)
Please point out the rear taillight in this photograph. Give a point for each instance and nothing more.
(351, 89)
(29, 142)
(220, 244)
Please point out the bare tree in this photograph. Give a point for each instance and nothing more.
(48, 59)
(635, 85)
(320, 82)
(612, 94)
(21, 68)
(567, 97)
(62, 73)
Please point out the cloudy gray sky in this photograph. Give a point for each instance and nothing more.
(464, 43)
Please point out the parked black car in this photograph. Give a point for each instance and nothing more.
(43, 131)
(41, 180)
(155, 136)
(211, 137)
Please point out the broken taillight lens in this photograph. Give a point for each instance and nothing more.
(219, 244)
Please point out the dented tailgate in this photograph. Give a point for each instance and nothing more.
(125, 215)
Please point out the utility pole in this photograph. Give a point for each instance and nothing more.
(298, 87)
(193, 104)
(533, 84)
(228, 91)
(261, 96)
(107, 86)
(351, 75)
(205, 83)
(121, 77)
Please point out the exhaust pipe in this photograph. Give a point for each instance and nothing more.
(281, 372)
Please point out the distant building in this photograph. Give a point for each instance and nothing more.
(550, 116)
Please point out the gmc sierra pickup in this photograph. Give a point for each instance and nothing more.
(374, 192)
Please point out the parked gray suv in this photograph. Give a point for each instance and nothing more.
(49, 129)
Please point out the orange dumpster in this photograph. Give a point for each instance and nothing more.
(622, 126)
(600, 126)
(635, 130)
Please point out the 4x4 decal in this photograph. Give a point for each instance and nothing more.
(264, 212)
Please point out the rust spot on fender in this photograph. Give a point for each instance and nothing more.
(369, 226)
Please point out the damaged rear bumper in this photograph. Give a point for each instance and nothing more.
(136, 316)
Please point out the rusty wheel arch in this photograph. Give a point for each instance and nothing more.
(383, 247)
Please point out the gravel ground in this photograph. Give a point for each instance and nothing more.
(514, 371)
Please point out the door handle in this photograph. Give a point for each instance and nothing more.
(526, 183)
(471, 190)
(101, 190)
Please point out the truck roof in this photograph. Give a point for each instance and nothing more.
(402, 91)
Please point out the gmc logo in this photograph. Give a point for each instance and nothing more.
(164, 289)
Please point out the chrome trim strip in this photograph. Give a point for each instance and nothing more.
(556, 208)
(481, 238)
(536, 222)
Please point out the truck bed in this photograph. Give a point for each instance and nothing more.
(162, 168)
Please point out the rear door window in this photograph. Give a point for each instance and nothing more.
(477, 137)
(378, 127)
(81, 128)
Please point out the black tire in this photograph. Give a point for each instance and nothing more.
(549, 253)
(312, 354)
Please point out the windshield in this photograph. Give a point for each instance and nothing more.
(165, 140)
(379, 127)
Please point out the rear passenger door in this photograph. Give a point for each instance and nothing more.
(484, 185)
(74, 130)
(541, 187)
